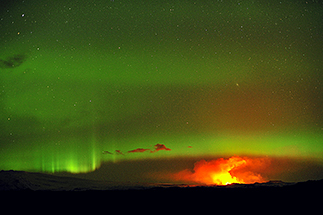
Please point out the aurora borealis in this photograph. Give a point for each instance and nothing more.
(85, 84)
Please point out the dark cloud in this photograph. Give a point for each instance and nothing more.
(119, 152)
(13, 61)
(138, 150)
(159, 147)
(107, 152)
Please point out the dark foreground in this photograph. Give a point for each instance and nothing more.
(24, 183)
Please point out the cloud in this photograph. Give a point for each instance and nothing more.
(138, 150)
(107, 152)
(159, 147)
(13, 61)
(118, 152)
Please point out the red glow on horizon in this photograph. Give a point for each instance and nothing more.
(225, 171)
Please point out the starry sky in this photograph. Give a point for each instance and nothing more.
(85, 85)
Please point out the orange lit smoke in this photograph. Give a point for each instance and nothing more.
(225, 171)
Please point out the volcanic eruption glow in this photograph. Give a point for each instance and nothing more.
(226, 171)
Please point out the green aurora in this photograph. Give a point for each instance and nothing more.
(86, 82)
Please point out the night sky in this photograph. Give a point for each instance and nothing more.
(89, 85)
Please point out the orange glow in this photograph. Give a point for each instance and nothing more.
(226, 171)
